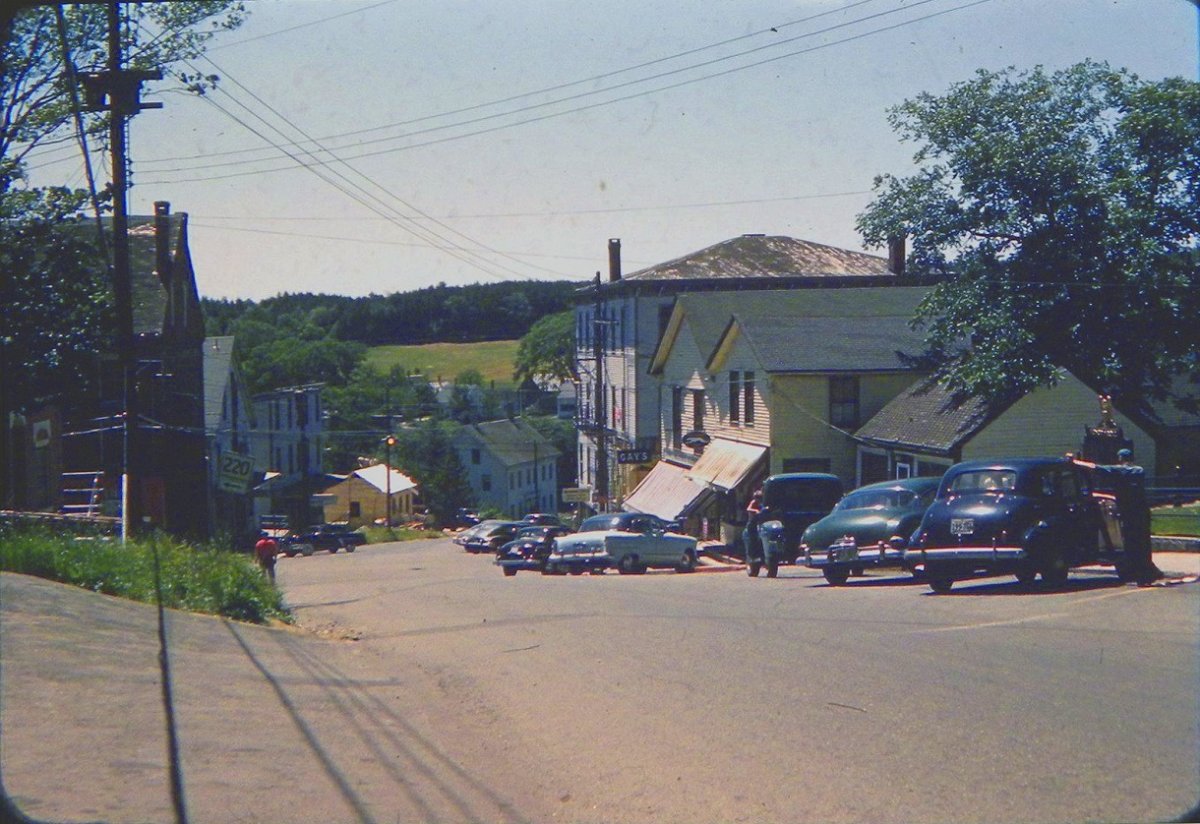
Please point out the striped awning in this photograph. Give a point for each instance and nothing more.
(725, 464)
(666, 492)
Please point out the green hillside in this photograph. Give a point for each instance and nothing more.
(492, 359)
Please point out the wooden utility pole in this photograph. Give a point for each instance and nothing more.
(599, 418)
(116, 91)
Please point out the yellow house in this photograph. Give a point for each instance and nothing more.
(770, 382)
(362, 497)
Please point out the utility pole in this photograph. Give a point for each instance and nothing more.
(116, 91)
(599, 417)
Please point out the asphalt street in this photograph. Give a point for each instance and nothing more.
(425, 686)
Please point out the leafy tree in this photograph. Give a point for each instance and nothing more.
(35, 103)
(547, 350)
(426, 452)
(57, 304)
(1059, 210)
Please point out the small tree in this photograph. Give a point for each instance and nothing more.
(547, 350)
(1060, 210)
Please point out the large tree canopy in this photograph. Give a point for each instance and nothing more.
(547, 350)
(1063, 213)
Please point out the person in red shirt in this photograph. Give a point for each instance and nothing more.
(264, 552)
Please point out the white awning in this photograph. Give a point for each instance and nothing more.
(665, 492)
(725, 464)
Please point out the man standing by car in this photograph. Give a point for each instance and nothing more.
(264, 552)
(1128, 482)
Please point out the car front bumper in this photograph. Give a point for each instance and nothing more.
(852, 555)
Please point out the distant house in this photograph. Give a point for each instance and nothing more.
(510, 466)
(566, 401)
(767, 382)
(361, 497)
(923, 430)
(622, 319)
(227, 431)
(287, 445)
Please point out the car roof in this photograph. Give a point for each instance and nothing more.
(1016, 464)
(900, 483)
(803, 476)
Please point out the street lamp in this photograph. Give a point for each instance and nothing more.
(390, 441)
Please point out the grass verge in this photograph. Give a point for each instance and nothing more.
(1176, 520)
(382, 535)
(195, 578)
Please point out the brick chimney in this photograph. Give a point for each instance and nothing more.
(162, 241)
(896, 255)
(614, 259)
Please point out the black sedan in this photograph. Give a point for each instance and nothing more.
(1019, 516)
(529, 549)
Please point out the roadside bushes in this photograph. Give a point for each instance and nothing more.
(196, 578)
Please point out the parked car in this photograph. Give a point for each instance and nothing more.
(791, 502)
(860, 531)
(471, 531)
(332, 537)
(465, 517)
(542, 518)
(530, 548)
(492, 537)
(1020, 516)
(630, 541)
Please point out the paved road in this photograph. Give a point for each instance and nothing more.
(468, 696)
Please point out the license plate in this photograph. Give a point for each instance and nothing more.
(962, 526)
(844, 551)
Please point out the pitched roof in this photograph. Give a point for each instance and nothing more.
(511, 440)
(218, 361)
(377, 476)
(708, 314)
(149, 294)
(762, 256)
(803, 344)
(926, 416)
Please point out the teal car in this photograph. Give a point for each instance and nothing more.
(859, 531)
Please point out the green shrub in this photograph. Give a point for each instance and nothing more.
(196, 578)
(381, 534)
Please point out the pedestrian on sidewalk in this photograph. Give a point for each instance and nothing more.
(264, 552)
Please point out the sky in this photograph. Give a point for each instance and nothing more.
(383, 146)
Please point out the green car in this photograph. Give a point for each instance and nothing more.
(859, 531)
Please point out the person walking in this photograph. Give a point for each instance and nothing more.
(264, 552)
(750, 539)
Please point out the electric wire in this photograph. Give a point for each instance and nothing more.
(575, 110)
(548, 89)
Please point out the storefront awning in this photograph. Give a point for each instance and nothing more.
(725, 464)
(666, 492)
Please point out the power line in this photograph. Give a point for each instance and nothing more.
(589, 106)
(548, 89)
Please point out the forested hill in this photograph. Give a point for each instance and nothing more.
(486, 311)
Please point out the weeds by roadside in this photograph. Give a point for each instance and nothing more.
(380, 534)
(196, 578)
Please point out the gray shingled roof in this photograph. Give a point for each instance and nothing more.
(837, 344)
(925, 416)
(760, 256)
(708, 313)
(148, 295)
(511, 440)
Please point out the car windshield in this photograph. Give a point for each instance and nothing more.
(878, 499)
(984, 480)
(801, 495)
(599, 523)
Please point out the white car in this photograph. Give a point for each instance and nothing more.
(630, 541)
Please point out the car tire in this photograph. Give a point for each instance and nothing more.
(772, 569)
(1026, 577)
(349, 547)
(597, 570)
(627, 565)
(753, 568)
(835, 577)
(548, 569)
(687, 563)
(509, 571)
(1055, 571)
(1126, 572)
(941, 585)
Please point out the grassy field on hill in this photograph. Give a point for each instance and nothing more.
(492, 359)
